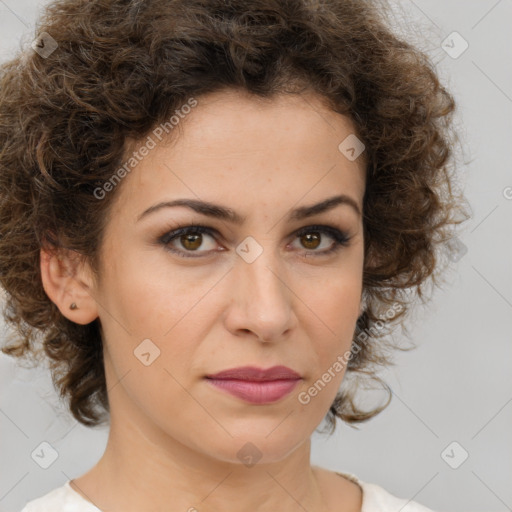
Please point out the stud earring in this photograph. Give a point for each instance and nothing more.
(73, 306)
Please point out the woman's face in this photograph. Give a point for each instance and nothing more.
(254, 293)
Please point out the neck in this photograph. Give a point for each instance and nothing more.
(146, 469)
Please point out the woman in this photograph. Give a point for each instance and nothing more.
(213, 212)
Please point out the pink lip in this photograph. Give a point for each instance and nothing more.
(256, 374)
(256, 385)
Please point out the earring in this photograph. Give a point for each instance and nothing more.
(73, 306)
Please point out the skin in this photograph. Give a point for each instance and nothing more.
(174, 437)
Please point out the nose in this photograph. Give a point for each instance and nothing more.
(262, 302)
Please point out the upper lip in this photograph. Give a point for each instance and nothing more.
(254, 373)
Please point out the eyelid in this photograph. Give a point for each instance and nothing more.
(340, 236)
(196, 228)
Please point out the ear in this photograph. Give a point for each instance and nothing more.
(66, 280)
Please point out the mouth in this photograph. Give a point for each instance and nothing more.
(256, 385)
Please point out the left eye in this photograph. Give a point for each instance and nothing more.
(191, 239)
(312, 235)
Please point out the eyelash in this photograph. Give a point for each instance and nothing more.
(340, 238)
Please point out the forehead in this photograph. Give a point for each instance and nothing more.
(240, 150)
(238, 119)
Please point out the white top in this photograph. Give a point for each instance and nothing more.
(375, 499)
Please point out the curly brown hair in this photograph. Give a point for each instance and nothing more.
(123, 67)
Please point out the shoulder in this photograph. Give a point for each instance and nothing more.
(377, 499)
(61, 499)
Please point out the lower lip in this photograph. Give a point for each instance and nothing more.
(256, 392)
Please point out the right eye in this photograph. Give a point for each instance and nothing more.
(190, 238)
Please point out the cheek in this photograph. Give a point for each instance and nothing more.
(333, 310)
(331, 340)
(151, 298)
(335, 304)
(341, 307)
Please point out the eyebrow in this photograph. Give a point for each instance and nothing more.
(227, 214)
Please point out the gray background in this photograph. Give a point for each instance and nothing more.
(456, 387)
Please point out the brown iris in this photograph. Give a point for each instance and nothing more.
(191, 241)
(311, 238)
